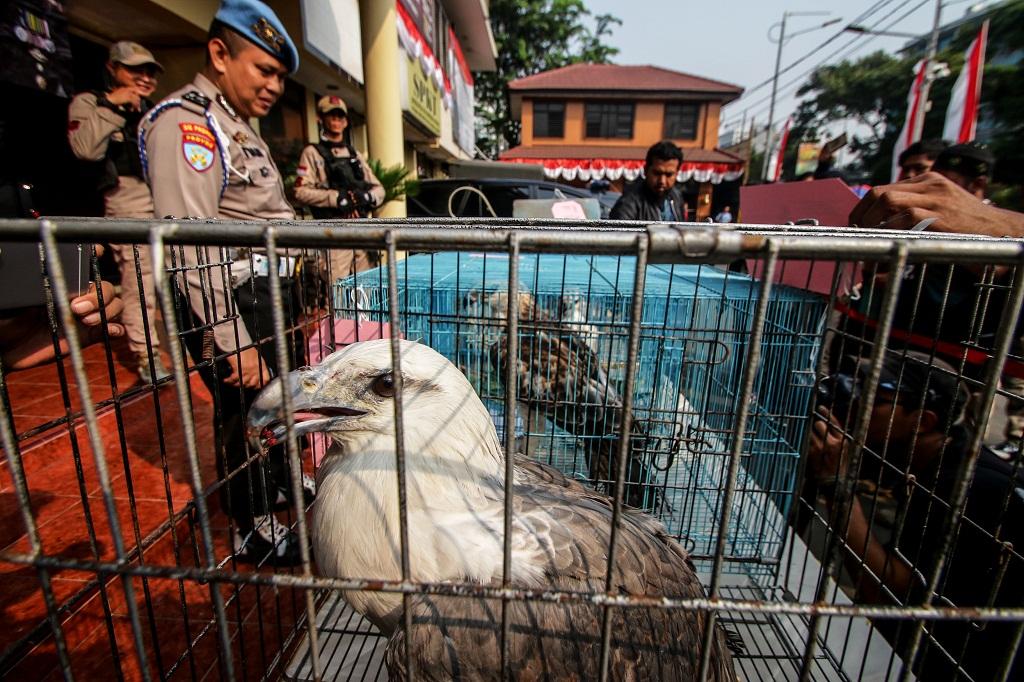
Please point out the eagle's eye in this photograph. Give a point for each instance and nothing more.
(384, 385)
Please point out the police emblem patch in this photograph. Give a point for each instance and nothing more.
(198, 146)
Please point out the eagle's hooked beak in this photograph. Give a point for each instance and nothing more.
(266, 423)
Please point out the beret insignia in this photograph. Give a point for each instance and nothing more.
(268, 34)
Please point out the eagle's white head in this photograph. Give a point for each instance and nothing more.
(350, 396)
(454, 464)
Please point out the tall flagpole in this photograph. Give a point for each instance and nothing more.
(933, 49)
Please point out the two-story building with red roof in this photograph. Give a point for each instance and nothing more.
(586, 122)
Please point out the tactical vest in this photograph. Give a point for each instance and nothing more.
(122, 157)
(344, 174)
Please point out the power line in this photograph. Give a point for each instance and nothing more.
(865, 37)
(843, 52)
(863, 17)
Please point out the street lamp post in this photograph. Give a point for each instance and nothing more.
(778, 66)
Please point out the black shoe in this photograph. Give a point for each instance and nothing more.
(284, 494)
(1008, 450)
(269, 542)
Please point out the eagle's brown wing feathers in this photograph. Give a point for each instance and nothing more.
(458, 638)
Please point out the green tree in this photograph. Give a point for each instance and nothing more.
(395, 180)
(533, 36)
(871, 91)
(1001, 123)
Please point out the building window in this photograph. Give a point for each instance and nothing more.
(549, 119)
(610, 119)
(681, 120)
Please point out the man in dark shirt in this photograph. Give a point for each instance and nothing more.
(917, 432)
(968, 165)
(654, 197)
(918, 158)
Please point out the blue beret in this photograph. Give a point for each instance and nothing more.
(258, 24)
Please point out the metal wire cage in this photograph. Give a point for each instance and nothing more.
(693, 330)
(119, 564)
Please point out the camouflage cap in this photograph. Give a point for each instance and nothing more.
(969, 159)
(132, 54)
(331, 103)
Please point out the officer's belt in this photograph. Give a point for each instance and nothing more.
(246, 263)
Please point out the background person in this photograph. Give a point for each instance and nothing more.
(204, 160)
(968, 165)
(918, 158)
(334, 181)
(952, 196)
(917, 426)
(103, 126)
(655, 196)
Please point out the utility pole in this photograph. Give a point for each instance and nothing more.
(771, 107)
(778, 67)
(933, 49)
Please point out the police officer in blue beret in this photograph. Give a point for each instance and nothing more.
(202, 159)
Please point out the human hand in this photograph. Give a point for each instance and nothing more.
(87, 309)
(247, 370)
(26, 340)
(827, 452)
(125, 96)
(902, 205)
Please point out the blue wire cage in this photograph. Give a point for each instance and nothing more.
(695, 330)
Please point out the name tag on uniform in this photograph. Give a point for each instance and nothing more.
(285, 265)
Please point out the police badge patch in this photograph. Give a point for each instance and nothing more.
(198, 146)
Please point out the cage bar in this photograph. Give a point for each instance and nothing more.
(719, 374)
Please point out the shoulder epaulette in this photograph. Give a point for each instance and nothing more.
(197, 98)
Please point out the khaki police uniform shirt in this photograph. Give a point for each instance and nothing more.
(185, 173)
(312, 187)
(90, 130)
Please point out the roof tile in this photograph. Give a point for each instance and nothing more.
(569, 151)
(620, 77)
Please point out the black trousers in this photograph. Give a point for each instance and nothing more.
(253, 487)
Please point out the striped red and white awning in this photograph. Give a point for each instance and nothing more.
(614, 169)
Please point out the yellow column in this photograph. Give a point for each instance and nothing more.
(312, 121)
(383, 105)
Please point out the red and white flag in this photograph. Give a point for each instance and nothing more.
(778, 151)
(962, 114)
(914, 104)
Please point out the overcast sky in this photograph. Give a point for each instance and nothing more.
(728, 39)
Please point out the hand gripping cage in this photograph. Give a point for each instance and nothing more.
(121, 565)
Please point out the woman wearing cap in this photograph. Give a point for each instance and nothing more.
(102, 126)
